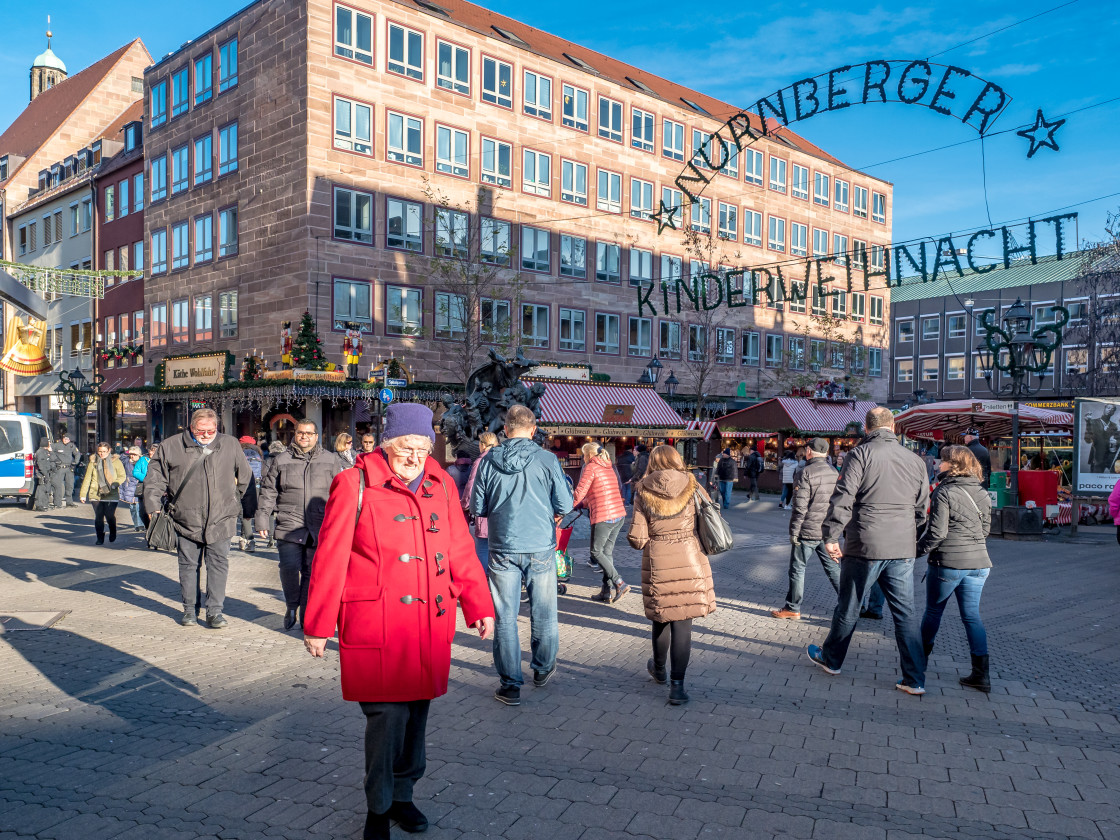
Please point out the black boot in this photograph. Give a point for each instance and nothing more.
(290, 618)
(978, 679)
(408, 817)
(677, 695)
(377, 827)
(657, 673)
(604, 594)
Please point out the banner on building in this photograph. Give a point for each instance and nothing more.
(1096, 445)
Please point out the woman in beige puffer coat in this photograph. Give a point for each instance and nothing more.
(676, 578)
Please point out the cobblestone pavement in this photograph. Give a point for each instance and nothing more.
(118, 723)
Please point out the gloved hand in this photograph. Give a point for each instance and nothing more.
(794, 540)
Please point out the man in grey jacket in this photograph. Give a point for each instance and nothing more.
(811, 493)
(878, 506)
(522, 492)
(295, 487)
(206, 510)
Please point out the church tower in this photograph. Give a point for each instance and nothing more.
(47, 70)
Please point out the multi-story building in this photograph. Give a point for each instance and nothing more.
(308, 154)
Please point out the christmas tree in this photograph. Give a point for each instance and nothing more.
(307, 348)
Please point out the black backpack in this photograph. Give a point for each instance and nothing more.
(726, 469)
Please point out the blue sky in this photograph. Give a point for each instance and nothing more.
(1060, 61)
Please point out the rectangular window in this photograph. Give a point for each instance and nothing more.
(137, 192)
(796, 353)
(752, 166)
(838, 354)
(608, 262)
(158, 337)
(110, 211)
(452, 150)
(697, 342)
(751, 349)
(820, 189)
(798, 239)
(180, 322)
(859, 254)
(453, 68)
(672, 140)
(180, 245)
(180, 170)
(573, 256)
(610, 119)
(672, 270)
(931, 329)
(875, 361)
(451, 237)
(673, 198)
(536, 173)
(669, 340)
(575, 107)
(820, 242)
(451, 315)
(204, 238)
(122, 257)
(402, 311)
(534, 325)
(535, 254)
(138, 263)
(817, 354)
(494, 320)
(877, 257)
(730, 160)
(954, 367)
(573, 182)
(227, 65)
(641, 129)
(773, 351)
(203, 318)
(819, 300)
(180, 92)
(406, 52)
(353, 127)
(609, 196)
(930, 369)
(797, 294)
(75, 220)
(606, 333)
(641, 199)
(227, 314)
(641, 267)
(123, 205)
(859, 206)
(725, 346)
(497, 82)
(353, 35)
(227, 232)
(956, 326)
(158, 103)
(406, 139)
(353, 216)
(878, 208)
(203, 78)
(905, 332)
(227, 149)
(497, 163)
(640, 331)
(752, 228)
(876, 310)
(777, 174)
(776, 241)
(138, 326)
(701, 215)
(859, 357)
(159, 251)
(403, 225)
(158, 178)
(701, 148)
(840, 196)
(840, 248)
(799, 185)
(859, 306)
(495, 241)
(353, 301)
(537, 95)
(728, 221)
(203, 159)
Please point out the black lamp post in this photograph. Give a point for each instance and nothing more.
(652, 372)
(671, 384)
(78, 393)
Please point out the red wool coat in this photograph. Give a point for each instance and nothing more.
(393, 649)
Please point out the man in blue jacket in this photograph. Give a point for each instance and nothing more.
(522, 492)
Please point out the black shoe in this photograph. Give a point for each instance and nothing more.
(112, 536)
(658, 674)
(290, 618)
(677, 695)
(541, 678)
(408, 817)
(508, 694)
(869, 614)
(270, 544)
(188, 618)
(377, 827)
(101, 541)
(603, 595)
(979, 678)
(217, 622)
(620, 589)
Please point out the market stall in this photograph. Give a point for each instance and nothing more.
(942, 421)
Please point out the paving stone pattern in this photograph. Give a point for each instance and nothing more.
(117, 723)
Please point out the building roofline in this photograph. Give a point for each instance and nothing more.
(171, 56)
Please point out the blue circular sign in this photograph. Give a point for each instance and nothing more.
(386, 395)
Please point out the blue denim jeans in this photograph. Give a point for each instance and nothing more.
(798, 558)
(627, 493)
(538, 572)
(787, 494)
(896, 579)
(482, 549)
(725, 488)
(967, 585)
(874, 600)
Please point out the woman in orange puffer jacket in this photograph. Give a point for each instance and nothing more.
(598, 490)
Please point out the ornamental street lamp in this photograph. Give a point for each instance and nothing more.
(671, 384)
(652, 372)
(1019, 350)
(78, 393)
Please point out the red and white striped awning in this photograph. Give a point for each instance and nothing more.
(824, 416)
(747, 434)
(954, 416)
(584, 403)
(705, 426)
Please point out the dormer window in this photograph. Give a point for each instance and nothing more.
(44, 179)
(4, 168)
(96, 154)
(131, 136)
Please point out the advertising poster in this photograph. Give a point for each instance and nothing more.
(1096, 446)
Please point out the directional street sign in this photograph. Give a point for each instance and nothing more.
(396, 383)
(386, 395)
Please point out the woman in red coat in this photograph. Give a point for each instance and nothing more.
(394, 559)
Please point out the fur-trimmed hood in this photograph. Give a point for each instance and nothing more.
(665, 493)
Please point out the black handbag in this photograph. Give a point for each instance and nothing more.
(711, 528)
(161, 533)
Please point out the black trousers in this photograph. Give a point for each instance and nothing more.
(672, 640)
(395, 758)
(102, 512)
(295, 570)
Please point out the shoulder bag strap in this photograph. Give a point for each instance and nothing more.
(187, 477)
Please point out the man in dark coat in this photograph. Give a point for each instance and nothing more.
(295, 488)
(753, 467)
(879, 503)
(727, 473)
(67, 456)
(206, 510)
(46, 469)
(972, 441)
(625, 463)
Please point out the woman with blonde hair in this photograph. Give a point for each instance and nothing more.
(956, 540)
(342, 445)
(676, 578)
(486, 442)
(101, 485)
(598, 490)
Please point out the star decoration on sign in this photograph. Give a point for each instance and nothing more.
(665, 217)
(1047, 130)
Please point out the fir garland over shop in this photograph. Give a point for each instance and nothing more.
(307, 348)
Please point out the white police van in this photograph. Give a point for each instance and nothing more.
(20, 433)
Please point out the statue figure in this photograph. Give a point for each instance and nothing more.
(536, 392)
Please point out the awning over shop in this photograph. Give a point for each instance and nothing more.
(122, 380)
(991, 419)
(801, 415)
(603, 409)
(705, 427)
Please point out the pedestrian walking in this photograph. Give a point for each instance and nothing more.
(879, 503)
(369, 443)
(811, 495)
(522, 491)
(67, 457)
(209, 474)
(788, 468)
(753, 468)
(460, 470)
(598, 492)
(955, 539)
(343, 446)
(295, 491)
(625, 465)
(395, 560)
(140, 470)
(46, 467)
(676, 577)
(972, 441)
(101, 485)
(727, 473)
(249, 501)
(130, 485)
(641, 463)
(477, 524)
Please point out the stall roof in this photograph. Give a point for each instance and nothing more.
(804, 414)
(571, 403)
(990, 418)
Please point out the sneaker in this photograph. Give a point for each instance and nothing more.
(872, 615)
(916, 690)
(541, 678)
(784, 613)
(217, 622)
(815, 653)
(188, 618)
(591, 564)
(509, 694)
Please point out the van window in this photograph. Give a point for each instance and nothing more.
(38, 432)
(11, 437)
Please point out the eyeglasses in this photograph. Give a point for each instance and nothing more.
(412, 453)
(204, 432)
(307, 434)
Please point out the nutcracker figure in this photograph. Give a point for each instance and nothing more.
(352, 349)
(286, 344)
